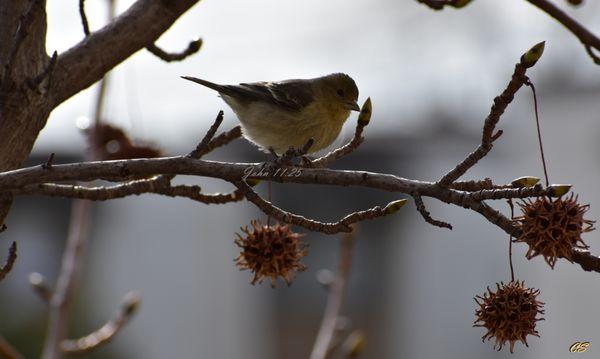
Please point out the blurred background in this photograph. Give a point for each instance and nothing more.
(432, 77)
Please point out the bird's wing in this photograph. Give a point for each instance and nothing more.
(293, 95)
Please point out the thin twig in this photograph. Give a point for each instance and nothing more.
(590, 50)
(105, 333)
(500, 104)
(137, 187)
(587, 38)
(49, 162)
(203, 146)
(79, 228)
(427, 216)
(193, 47)
(84, 20)
(10, 261)
(335, 299)
(65, 285)
(224, 139)
(7, 351)
(439, 4)
(343, 225)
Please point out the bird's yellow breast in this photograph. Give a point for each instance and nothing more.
(270, 126)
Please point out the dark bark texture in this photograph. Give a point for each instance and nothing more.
(32, 85)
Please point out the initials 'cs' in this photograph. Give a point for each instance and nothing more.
(579, 347)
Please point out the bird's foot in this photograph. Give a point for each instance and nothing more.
(286, 159)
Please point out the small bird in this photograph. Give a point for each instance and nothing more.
(284, 114)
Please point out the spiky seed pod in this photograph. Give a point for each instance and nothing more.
(551, 228)
(270, 252)
(509, 314)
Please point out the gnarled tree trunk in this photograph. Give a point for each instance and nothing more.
(32, 83)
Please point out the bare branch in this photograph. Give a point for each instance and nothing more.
(137, 187)
(84, 20)
(203, 146)
(7, 351)
(427, 216)
(107, 332)
(335, 299)
(500, 104)
(88, 61)
(474, 185)
(193, 47)
(439, 4)
(584, 258)
(10, 261)
(224, 139)
(471, 193)
(343, 225)
(587, 38)
(590, 50)
(193, 193)
(65, 285)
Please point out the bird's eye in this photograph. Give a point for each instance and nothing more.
(340, 92)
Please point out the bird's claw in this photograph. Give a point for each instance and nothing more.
(286, 159)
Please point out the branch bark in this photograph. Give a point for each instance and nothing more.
(590, 41)
(66, 283)
(335, 299)
(23, 110)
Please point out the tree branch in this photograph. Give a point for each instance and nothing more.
(193, 47)
(65, 285)
(469, 194)
(7, 351)
(587, 38)
(88, 61)
(584, 258)
(343, 225)
(137, 187)
(440, 4)
(426, 215)
(105, 333)
(10, 261)
(335, 299)
(500, 104)
(84, 20)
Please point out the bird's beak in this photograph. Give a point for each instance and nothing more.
(352, 106)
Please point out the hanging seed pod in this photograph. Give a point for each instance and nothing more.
(270, 252)
(551, 228)
(509, 314)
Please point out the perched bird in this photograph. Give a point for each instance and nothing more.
(284, 114)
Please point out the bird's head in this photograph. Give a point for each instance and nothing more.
(341, 89)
